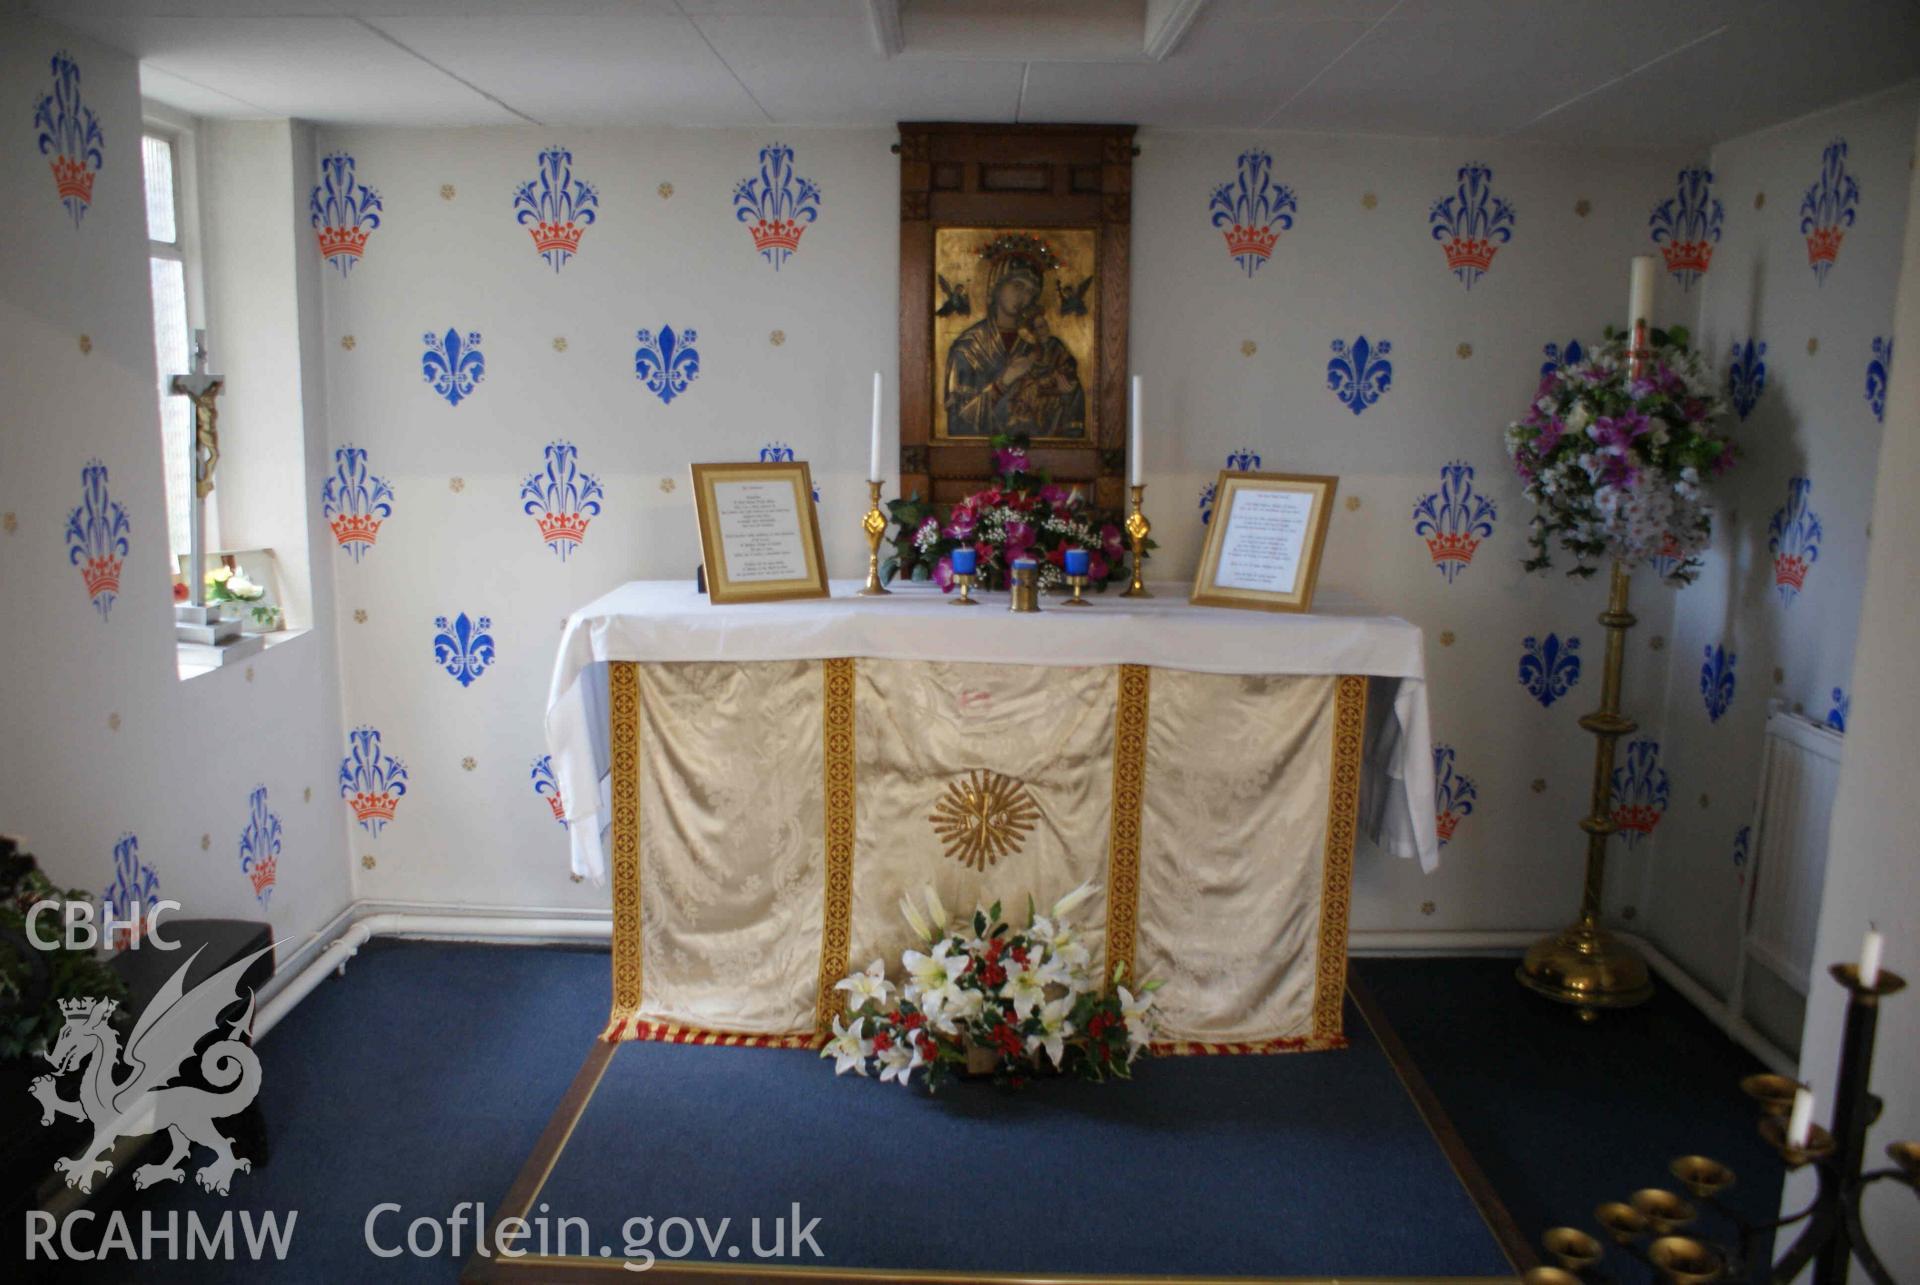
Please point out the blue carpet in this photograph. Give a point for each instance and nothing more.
(1562, 1116)
(1312, 1163)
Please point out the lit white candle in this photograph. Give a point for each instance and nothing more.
(1800, 1123)
(1870, 957)
(1133, 438)
(873, 467)
(1640, 293)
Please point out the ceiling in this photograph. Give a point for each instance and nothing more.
(1623, 72)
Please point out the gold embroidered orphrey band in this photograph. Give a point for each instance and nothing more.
(623, 726)
(1133, 688)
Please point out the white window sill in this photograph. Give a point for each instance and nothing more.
(191, 667)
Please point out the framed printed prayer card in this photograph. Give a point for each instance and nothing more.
(1263, 545)
(759, 532)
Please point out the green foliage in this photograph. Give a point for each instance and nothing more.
(29, 1018)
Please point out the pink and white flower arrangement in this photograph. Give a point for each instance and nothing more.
(1615, 465)
(1024, 514)
(983, 997)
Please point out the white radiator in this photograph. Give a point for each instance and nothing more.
(1787, 863)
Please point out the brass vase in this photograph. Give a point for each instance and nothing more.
(1584, 964)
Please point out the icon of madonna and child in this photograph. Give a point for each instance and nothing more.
(1023, 367)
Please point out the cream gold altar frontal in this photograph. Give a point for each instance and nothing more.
(767, 817)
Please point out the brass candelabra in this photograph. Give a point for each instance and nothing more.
(1584, 964)
(965, 598)
(1138, 529)
(875, 525)
(1078, 584)
(1647, 1225)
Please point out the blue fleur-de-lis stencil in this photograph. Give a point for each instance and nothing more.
(777, 205)
(1716, 681)
(371, 780)
(1454, 793)
(1251, 210)
(260, 846)
(1686, 226)
(1639, 792)
(1240, 461)
(70, 137)
(1747, 375)
(453, 365)
(463, 647)
(1454, 519)
(1360, 374)
(1557, 357)
(1742, 845)
(1549, 668)
(134, 892)
(555, 207)
(1826, 211)
(1837, 713)
(1472, 224)
(1879, 368)
(547, 786)
(1793, 538)
(667, 365)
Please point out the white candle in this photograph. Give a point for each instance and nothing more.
(1870, 957)
(1133, 438)
(873, 467)
(1640, 293)
(1801, 1122)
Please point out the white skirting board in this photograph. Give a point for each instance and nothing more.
(330, 949)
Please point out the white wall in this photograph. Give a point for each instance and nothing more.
(103, 738)
(1812, 420)
(1347, 268)
(1871, 871)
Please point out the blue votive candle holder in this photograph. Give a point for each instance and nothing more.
(1076, 562)
(965, 562)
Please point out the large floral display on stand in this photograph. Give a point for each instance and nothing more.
(986, 999)
(1024, 514)
(1615, 465)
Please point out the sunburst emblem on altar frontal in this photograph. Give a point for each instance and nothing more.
(984, 817)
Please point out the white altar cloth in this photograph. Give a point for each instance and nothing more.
(669, 620)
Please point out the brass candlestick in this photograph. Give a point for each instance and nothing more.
(1138, 528)
(1079, 583)
(875, 525)
(1833, 1237)
(1023, 589)
(1584, 964)
(966, 598)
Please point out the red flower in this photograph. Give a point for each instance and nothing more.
(914, 1021)
(1020, 953)
(994, 947)
(993, 974)
(1100, 1025)
(882, 1041)
(1006, 1038)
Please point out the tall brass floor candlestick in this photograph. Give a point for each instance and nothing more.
(1585, 964)
(875, 525)
(1138, 528)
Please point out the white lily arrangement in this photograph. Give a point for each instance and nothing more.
(979, 990)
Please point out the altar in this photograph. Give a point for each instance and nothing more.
(764, 783)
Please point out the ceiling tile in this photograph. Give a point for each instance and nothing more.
(631, 66)
(816, 71)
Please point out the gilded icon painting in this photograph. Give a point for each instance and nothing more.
(1014, 330)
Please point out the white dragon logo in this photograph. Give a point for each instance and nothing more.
(143, 1102)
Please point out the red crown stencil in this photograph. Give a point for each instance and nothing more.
(368, 806)
(353, 528)
(783, 234)
(1823, 245)
(336, 242)
(571, 527)
(102, 575)
(1256, 241)
(1469, 252)
(1790, 569)
(549, 237)
(1452, 548)
(1687, 256)
(73, 179)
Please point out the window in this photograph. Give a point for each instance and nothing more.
(172, 260)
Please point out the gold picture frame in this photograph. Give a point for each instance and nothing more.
(756, 492)
(1270, 560)
(1037, 284)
